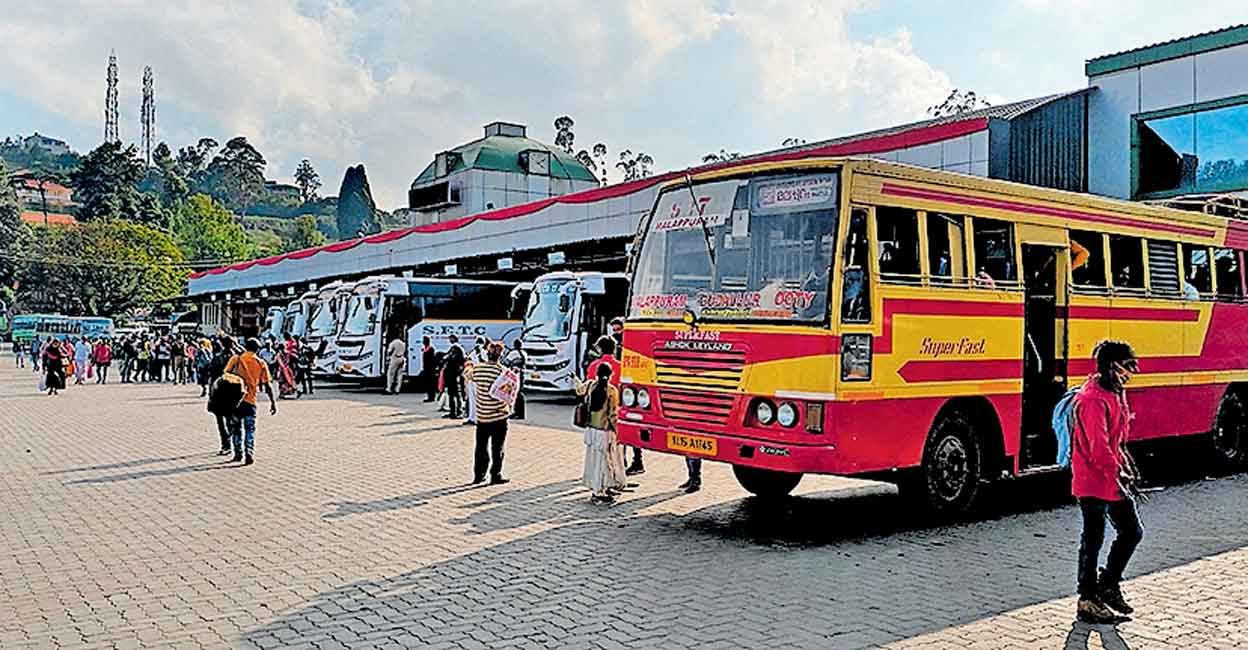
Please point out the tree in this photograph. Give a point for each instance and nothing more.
(564, 137)
(357, 213)
(170, 184)
(958, 102)
(102, 268)
(306, 235)
(148, 211)
(192, 161)
(10, 228)
(634, 166)
(308, 180)
(106, 183)
(723, 156)
(236, 175)
(206, 232)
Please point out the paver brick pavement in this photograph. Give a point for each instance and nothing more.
(356, 529)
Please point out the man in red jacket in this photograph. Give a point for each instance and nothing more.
(1101, 471)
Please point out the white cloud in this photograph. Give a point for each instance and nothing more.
(389, 83)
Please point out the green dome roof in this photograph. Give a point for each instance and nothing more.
(502, 153)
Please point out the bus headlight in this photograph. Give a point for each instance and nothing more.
(764, 412)
(786, 415)
(628, 396)
(643, 398)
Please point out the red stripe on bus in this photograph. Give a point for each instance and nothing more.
(960, 370)
(1030, 208)
(1134, 313)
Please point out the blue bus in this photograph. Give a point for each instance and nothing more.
(28, 326)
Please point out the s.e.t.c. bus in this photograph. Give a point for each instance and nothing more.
(864, 318)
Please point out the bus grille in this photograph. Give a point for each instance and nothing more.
(695, 406)
(699, 370)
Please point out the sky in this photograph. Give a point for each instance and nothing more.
(388, 83)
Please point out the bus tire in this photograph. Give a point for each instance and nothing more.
(1228, 441)
(765, 483)
(951, 475)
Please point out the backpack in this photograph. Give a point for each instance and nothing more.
(227, 393)
(1064, 424)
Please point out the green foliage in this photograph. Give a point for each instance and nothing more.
(236, 175)
(18, 156)
(266, 243)
(357, 213)
(168, 181)
(106, 183)
(205, 230)
(306, 234)
(101, 268)
(10, 227)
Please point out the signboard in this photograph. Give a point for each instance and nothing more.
(505, 263)
(451, 269)
(795, 194)
(683, 208)
(555, 257)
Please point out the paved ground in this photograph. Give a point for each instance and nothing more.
(120, 528)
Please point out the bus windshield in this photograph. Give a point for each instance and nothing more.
(549, 316)
(361, 315)
(322, 318)
(739, 250)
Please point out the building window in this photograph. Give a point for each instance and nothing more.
(1226, 266)
(1201, 151)
(1087, 268)
(946, 246)
(1199, 280)
(1126, 256)
(994, 252)
(897, 232)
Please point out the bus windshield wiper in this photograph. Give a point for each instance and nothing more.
(706, 230)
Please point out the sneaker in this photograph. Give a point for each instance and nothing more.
(1092, 611)
(478, 480)
(238, 458)
(634, 470)
(694, 486)
(498, 480)
(684, 485)
(601, 500)
(1111, 596)
(249, 460)
(223, 452)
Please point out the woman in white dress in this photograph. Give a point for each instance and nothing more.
(604, 458)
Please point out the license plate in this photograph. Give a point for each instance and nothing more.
(535, 375)
(694, 444)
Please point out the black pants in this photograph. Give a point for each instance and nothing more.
(431, 384)
(454, 398)
(101, 373)
(224, 433)
(493, 434)
(1126, 522)
(306, 375)
(517, 411)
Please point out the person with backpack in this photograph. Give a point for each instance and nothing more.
(1103, 479)
(604, 459)
(255, 375)
(222, 352)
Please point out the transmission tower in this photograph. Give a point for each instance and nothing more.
(149, 114)
(110, 101)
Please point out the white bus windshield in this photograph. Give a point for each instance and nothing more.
(549, 316)
(322, 319)
(737, 250)
(361, 315)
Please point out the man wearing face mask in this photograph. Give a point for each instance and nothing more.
(1103, 477)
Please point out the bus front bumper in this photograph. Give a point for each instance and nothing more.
(736, 450)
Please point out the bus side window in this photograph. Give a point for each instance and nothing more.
(994, 251)
(1126, 255)
(1163, 268)
(897, 234)
(946, 254)
(1199, 280)
(1226, 265)
(856, 290)
(1087, 255)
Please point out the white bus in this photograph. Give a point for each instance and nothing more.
(324, 322)
(567, 313)
(383, 306)
(297, 312)
(274, 319)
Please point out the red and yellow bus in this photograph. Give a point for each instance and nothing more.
(864, 318)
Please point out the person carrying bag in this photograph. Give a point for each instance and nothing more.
(596, 412)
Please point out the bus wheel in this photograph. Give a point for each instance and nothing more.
(1229, 438)
(952, 461)
(765, 482)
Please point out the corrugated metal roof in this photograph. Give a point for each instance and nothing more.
(1002, 111)
(1165, 50)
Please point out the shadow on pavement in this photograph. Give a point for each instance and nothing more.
(123, 465)
(1081, 635)
(819, 572)
(403, 502)
(155, 473)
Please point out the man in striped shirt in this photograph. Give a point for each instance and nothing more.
(492, 415)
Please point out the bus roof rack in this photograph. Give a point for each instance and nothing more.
(1229, 205)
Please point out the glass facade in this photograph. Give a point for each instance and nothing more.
(1201, 151)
